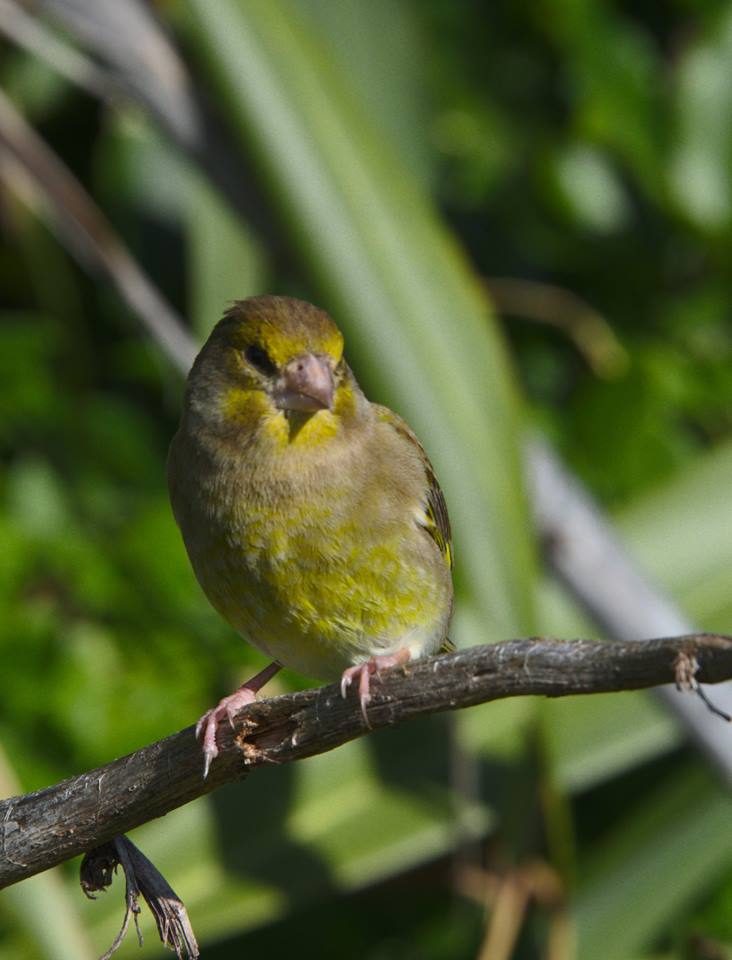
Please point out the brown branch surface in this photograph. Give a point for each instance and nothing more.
(41, 829)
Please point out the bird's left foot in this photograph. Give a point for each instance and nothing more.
(364, 672)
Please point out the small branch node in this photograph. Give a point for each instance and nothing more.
(686, 667)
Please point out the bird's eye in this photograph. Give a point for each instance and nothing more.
(259, 358)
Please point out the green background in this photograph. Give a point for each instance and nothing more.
(521, 217)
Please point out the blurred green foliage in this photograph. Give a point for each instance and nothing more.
(579, 145)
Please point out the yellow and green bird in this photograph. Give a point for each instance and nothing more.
(312, 517)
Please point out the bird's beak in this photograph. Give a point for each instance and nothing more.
(306, 384)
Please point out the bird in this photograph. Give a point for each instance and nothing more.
(312, 517)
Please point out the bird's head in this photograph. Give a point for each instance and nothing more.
(271, 365)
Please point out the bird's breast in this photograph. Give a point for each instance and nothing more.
(318, 573)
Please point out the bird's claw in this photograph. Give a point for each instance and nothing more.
(208, 724)
(364, 672)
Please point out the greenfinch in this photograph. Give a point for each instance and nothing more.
(312, 517)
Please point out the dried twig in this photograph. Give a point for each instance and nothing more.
(141, 878)
(563, 309)
(39, 177)
(30, 33)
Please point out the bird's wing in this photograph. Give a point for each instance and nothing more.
(435, 519)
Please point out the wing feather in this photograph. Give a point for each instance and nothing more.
(435, 519)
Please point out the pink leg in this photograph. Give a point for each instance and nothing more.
(225, 710)
(364, 671)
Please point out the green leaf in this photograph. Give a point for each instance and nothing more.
(653, 865)
(682, 534)
(700, 170)
(380, 48)
(226, 263)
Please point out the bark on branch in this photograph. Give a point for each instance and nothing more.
(41, 829)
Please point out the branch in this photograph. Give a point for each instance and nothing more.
(41, 829)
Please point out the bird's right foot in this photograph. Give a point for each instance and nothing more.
(226, 709)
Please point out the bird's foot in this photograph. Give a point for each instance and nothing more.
(364, 672)
(207, 726)
(226, 709)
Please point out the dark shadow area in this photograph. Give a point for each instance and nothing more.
(414, 917)
(415, 756)
(253, 839)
